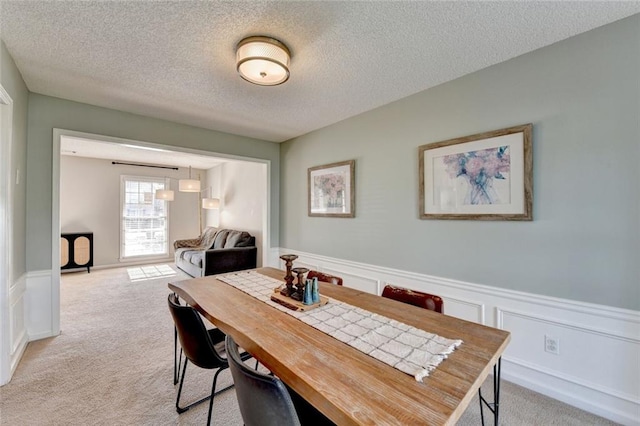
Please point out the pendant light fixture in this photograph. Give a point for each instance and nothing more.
(164, 194)
(263, 60)
(189, 185)
(210, 203)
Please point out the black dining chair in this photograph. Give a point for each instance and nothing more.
(415, 298)
(202, 347)
(265, 400)
(177, 351)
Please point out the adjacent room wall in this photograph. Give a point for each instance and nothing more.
(243, 189)
(582, 96)
(90, 201)
(214, 177)
(47, 113)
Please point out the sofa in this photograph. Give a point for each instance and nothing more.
(216, 251)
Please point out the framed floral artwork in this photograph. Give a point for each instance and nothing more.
(487, 176)
(331, 189)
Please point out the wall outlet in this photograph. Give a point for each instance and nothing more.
(552, 345)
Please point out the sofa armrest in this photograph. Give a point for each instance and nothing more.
(219, 261)
(190, 243)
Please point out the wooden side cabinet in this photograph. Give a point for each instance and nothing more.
(76, 250)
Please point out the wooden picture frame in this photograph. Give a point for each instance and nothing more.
(331, 190)
(487, 176)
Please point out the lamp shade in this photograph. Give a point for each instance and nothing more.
(263, 60)
(210, 203)
(164, 194)
(189, 185)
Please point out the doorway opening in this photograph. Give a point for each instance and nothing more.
(241, 184)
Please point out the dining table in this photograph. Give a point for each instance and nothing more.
(347, 385)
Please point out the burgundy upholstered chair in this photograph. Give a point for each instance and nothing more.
(416, 298)
(325, 277)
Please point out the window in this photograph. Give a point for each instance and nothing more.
(144, 225)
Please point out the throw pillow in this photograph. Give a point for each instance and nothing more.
(236, 239)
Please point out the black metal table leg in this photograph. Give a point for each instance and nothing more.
(494, 406)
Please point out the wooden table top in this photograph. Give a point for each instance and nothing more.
(345, 384)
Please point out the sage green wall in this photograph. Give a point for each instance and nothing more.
(582, 96)
(47, 113)
(12, 82)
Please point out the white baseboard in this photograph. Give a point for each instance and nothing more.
(122, 264)
(597, 368)
(602, 403)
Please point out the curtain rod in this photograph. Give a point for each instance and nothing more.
(145, 165)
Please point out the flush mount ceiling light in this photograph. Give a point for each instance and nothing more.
(263, 60)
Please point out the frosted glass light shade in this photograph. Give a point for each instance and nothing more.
(263, 61)
(210, 203)
(164, 194)
(189, 185)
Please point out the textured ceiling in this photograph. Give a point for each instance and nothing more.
(176, 60)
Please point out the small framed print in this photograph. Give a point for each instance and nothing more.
(488, 176)
(331, 190)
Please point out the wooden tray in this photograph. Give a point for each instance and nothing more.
(294, 304)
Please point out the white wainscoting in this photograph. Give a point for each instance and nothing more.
(17, 327)
(39, 299)
(598, 365)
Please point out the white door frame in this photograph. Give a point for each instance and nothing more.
(6, 229)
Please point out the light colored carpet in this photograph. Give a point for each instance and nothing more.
(113, 365)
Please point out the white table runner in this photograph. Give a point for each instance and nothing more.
(409, 349)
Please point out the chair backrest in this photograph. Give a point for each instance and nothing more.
(194, 338)
(416, 298)
(325, 277)
(263, 399)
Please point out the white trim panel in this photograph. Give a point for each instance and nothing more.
(17, 328)
(355, 280)
(273, 259)
(40, 312)
(598, 365)
(16, 302)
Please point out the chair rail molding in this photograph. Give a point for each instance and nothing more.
(589, 335)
